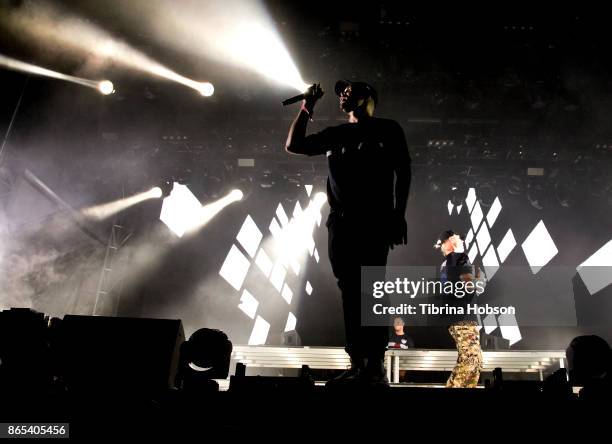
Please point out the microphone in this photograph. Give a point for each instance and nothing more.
(312, 91)
(294, 99)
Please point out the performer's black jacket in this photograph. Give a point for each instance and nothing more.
(455, 265)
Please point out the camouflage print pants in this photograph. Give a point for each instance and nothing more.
(469, 359)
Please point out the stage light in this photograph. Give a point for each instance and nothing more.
(53, 26)
(156, 192)
(106, 87)
(106, 210)
(166, 187)
(236, 32)
(183, 213)
(207, 212)
(206, 89)
(236, 195)
(17, 65)
(296, 236)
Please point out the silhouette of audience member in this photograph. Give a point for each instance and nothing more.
(589, 363)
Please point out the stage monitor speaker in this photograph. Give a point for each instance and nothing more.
(119, 354)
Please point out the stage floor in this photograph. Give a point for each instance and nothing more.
(539, 362)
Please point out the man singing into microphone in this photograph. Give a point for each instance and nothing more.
(367, 190)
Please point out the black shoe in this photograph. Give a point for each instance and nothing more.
(374, 374)
(350, 376)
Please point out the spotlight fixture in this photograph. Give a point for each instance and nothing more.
(166, 187)
(206, 89)
(106, 87)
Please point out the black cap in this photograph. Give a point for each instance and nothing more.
(361, 88)
(446, 235)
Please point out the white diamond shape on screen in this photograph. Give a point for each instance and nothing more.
(596, 271)
(468, 238)
(180, 210)
(235, 268)
(473, 252)
(297, 211)
(509, 328)
(310, 245)
(308, 189)
(308, 288)
(291, 322)
(483, 238)
(264, 262)
(476, 216)
(295, 266)
(282, 216)
(278, 276)
(489, 323)
(259, 334)
(506, 246)
(249, 236)
(450, 207)
(248, 304)
(276, 230)
(459, 207)
(287, 294)
(494, 212)
(470, 199)
(489, 261)
(316, 255)
(539, 248)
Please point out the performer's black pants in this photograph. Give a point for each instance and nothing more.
(353, 244)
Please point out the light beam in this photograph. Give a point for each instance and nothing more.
(52, 26)
(106, 210)
(17, 65)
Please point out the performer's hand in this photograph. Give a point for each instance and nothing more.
(313, 94)
(399, 231)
